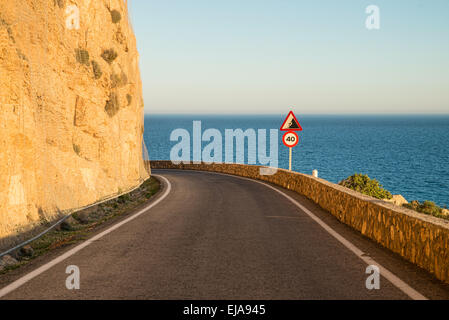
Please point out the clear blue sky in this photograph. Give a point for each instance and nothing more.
(266, 56)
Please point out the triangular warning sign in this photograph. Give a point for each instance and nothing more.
(291, 123)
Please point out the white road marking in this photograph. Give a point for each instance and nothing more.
(20, 282)
(398, 283)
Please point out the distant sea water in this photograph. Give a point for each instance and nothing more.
(409, 155)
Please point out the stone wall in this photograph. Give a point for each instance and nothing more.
(71, 108)
(419, 238)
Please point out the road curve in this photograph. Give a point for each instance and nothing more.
(222, 237)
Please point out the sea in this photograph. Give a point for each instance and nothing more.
(408, 155)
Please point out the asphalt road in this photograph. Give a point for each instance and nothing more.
(221, 237)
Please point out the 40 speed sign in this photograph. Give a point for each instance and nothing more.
(290, 139)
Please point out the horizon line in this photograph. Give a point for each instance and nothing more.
(302, 114)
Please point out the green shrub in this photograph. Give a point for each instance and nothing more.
(112, 105)
(115, 16)
(96, 69)
(427, 207)
(109, 55)
(82, 56)
(363, 184)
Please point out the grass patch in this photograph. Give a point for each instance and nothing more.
(123, 199)
(96, 217)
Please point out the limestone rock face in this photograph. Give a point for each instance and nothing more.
(397, 199)
(71, 109)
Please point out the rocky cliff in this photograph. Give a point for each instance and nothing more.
(71, 109)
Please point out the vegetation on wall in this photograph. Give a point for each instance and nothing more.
(129, 98)
(371, 187)
(119, 80)
(116, 16)
(82, 56)
(112, 105)
(364, 184)
(96, 69)
(77, 149)
(427, 207)
(109, 55)
(59, 3)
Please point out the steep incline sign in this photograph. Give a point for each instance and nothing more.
(290, 138)
(291, 123)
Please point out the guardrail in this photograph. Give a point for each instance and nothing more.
(419, 238)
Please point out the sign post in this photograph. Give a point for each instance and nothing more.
(290, 138)
(290, 160)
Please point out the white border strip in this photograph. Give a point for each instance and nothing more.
(20, 282)
(398, 283)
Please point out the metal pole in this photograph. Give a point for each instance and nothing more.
(290, 162)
